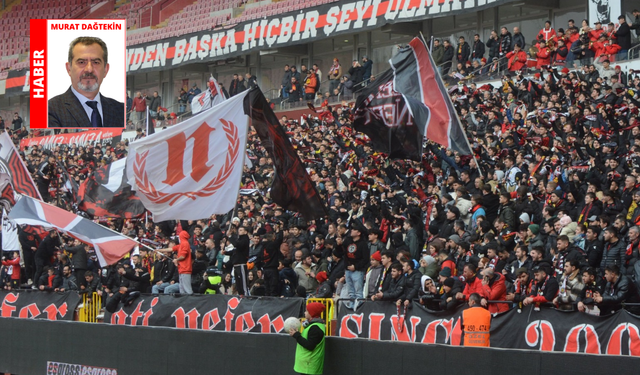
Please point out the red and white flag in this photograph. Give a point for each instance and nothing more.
(209, 98)
(110, 246)
(192, 170)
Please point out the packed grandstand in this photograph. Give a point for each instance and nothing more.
(546, 212)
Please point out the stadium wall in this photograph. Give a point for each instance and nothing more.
(29, 347)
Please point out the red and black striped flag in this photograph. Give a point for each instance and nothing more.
(109, 245)
(17, 82)
(407, 103)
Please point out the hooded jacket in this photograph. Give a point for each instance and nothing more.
(184, 250)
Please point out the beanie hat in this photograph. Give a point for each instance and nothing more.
(499, 174)
(565, 70)
(429, 259)
(525, 218)
(376, 256)
(445, 272)
(449, 282)
(534, 228)
(315, 309)
(321, 276)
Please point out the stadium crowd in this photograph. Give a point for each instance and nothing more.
(546, 212)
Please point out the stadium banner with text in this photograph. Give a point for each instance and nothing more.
(207, 312)
(92, 137)
(544, 330)
(38, 305)
(287, 29)
(61, 368)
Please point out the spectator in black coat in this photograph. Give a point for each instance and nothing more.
(505, 42)
(295, 73)
(367, 66)
(251, 81)
(447, 57)
(396, 287)
(295, 90)
(517, 38)
(412, 281)
(233, 86)
(156, 101)
(16, 124)
(448, 299)
(623, 37)
(356, 74)
(79, 260)
(241, 84)
(619, 289)
(45, 251)
(48, 282)
(463, 51)
(477, 50)
(286, 78)
(494, 46)
(288, 279)
(239, 258)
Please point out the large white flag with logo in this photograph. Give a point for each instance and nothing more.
(10, 240)
(209, 98)
(192, 170)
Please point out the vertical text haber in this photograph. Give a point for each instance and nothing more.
(37, 62)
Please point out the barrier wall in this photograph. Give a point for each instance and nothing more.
(28, 345)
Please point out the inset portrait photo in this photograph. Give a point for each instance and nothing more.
(86, 73)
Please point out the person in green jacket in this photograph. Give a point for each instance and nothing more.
(310, 348)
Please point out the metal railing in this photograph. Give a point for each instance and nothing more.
(328, 314)
(633, 52)
(90, 308)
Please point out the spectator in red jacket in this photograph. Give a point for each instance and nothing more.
(139, 109)
(517, 58)
(310, 85)
(548, 32)
(594, 34)
(473, 284)
(13, 270)
(494, 290)
(545, 52)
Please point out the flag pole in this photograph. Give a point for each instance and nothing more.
(455, 112)
(147, 121)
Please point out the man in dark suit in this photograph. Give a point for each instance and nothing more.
(82, 106)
